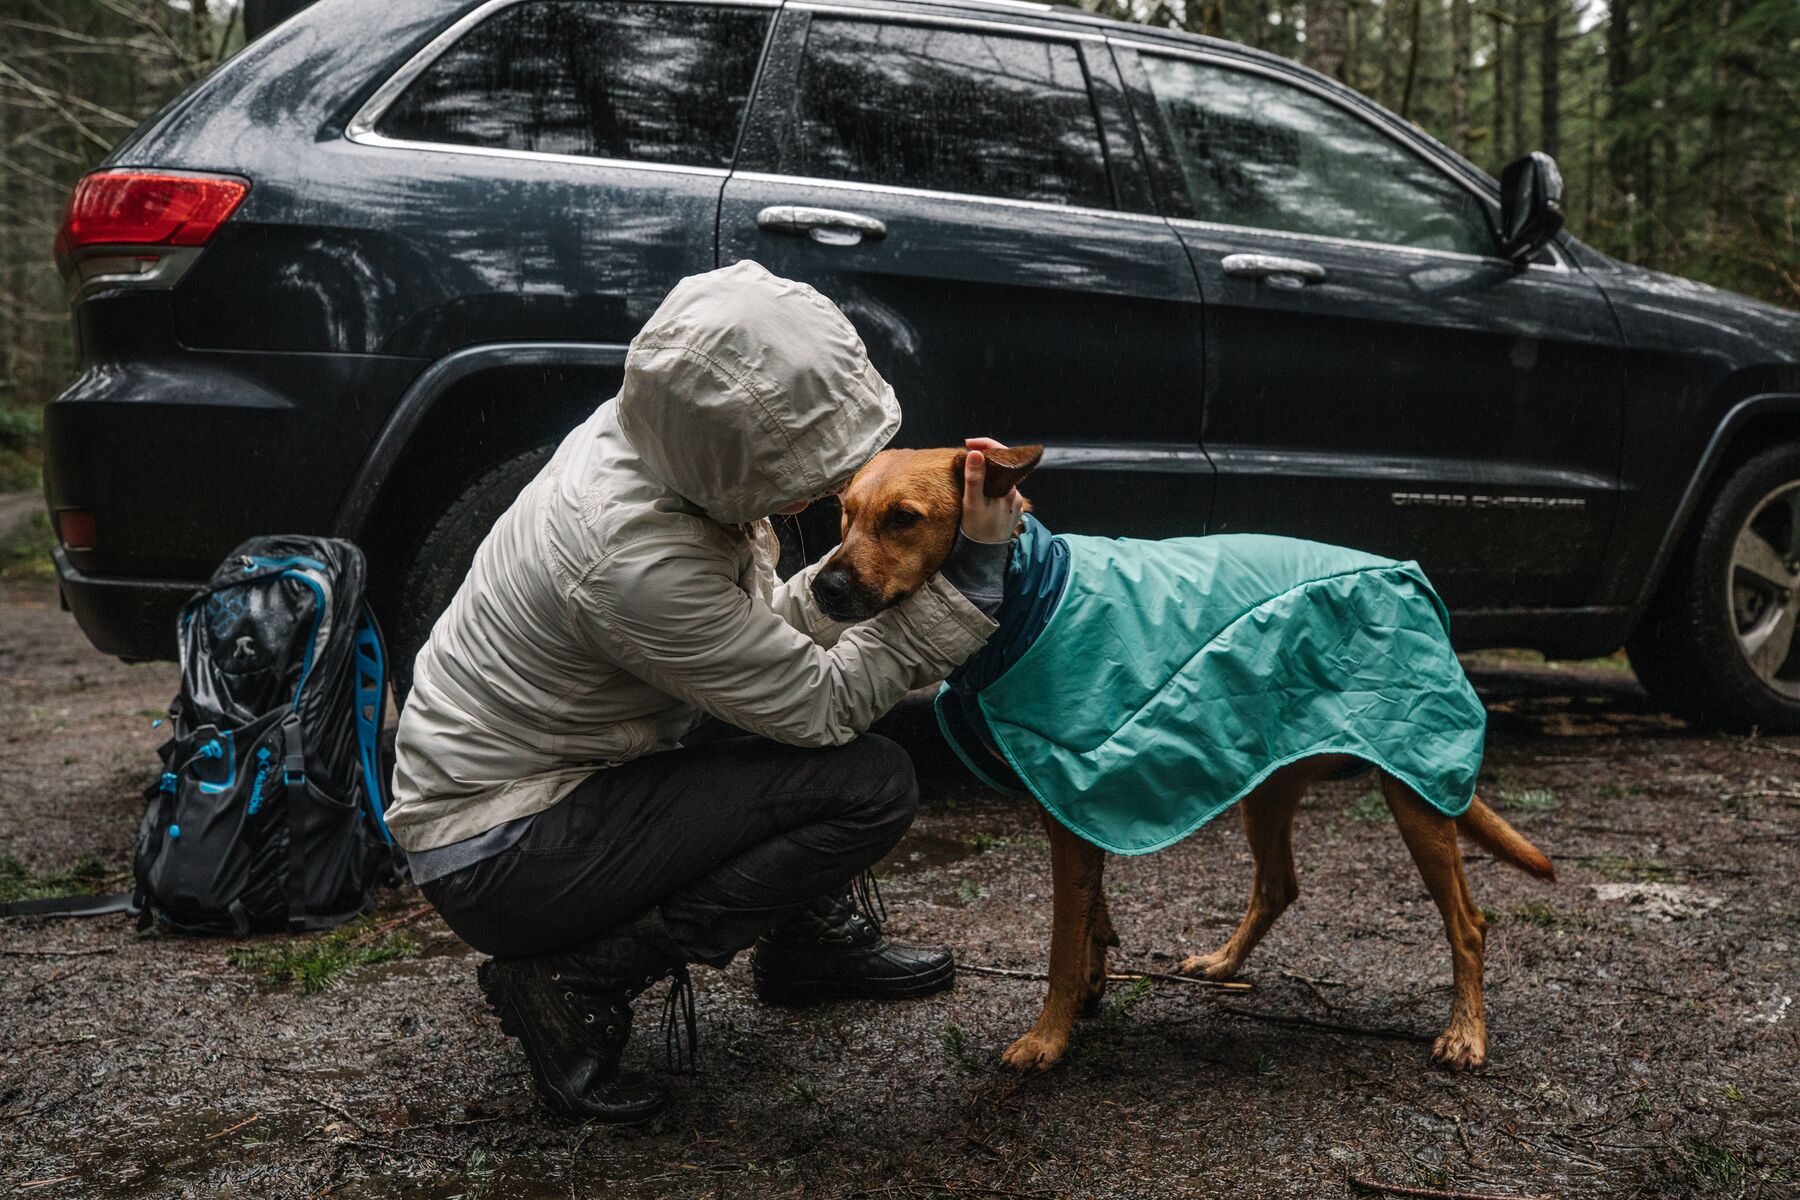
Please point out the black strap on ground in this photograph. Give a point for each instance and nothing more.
(70, 906)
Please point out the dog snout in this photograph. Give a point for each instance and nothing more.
(833, 590)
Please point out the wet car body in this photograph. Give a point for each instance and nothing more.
(387, 315)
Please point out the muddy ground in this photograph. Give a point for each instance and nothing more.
(1643, 1026)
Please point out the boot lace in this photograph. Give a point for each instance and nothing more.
(680, 1002)
(865, 896)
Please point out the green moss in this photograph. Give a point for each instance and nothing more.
(81, 878)
(1369, 807)
(314, 963)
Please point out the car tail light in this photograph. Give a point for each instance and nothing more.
(75, 528)
(138, 208)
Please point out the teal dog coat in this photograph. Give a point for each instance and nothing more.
(1139, 688)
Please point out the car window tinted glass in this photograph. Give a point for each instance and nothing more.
(1255, 151)
(660, 83)
(950, 110)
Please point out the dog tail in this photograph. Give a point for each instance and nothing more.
(1485, 827)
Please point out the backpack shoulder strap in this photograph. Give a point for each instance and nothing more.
(370, 662)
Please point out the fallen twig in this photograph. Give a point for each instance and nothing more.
(1396, 1035)
(1435, 1193)
(397, 922)
(1231, 985)
(57, 952)
(251, 1120)
(38, 1183)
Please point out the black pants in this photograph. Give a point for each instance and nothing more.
(725, 838)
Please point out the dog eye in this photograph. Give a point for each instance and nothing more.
(902, 518)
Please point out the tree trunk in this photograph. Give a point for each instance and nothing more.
(1460, 37)
(1328, 37)
(1412, 59)
(1550, 80)
(1618, 76)
(1212, 18)
(1515, 113)
(1498, 142)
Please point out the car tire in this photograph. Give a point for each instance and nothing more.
(1717, 644)
(443, 558)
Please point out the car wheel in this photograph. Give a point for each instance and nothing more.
(1718, 644)
(443, 558)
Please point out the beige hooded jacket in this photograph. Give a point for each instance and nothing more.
(631, 586)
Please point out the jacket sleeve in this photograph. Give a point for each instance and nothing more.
(672, 613)
(793, 602)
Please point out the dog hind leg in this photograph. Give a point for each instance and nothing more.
(1431, 838)
(1268, 815)
(1075, 868)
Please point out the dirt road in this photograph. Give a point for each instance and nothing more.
(1644, 1035)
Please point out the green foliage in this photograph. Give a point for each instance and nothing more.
(25, 552)
(1547, 916)
(1369, 807)
(1530, 799)
(971, 891)
(21, 435)
(83, 877)
(1623, 869)
(957, 1045)
(314, 963)
(1710, 1164)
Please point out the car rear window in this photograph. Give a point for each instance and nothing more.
(948, 110)
(648, 82)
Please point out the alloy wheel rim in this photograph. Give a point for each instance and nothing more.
(1762, 590)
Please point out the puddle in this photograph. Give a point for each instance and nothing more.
(925, 852)
(157, 1160)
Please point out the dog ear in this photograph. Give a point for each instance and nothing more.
(1007, 468)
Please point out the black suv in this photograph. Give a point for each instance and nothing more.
(362, 277)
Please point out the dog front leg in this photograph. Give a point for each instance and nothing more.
(1075, 868)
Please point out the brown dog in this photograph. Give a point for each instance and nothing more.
(901, 515)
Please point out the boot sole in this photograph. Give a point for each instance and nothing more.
(800, 993)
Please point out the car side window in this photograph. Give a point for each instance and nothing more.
(648, 82)
(947, 110)
(1258, 152)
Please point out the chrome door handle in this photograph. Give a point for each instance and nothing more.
(832, 226)
(1273, 269)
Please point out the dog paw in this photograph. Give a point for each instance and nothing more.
(1035, 1052)
(1215, 966)
(1460, 1050)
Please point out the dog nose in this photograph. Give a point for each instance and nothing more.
(831, 587)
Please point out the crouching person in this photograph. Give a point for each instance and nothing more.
(543, 793)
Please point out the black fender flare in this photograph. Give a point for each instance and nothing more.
(1735, 418)
(432, 384)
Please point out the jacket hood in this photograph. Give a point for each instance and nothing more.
(747, 392)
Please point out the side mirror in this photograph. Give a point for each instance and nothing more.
(1531, 206)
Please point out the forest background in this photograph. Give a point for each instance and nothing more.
(1676, 123)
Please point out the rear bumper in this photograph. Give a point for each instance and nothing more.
(132, 618)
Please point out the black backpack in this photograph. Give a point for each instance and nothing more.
(268, 814)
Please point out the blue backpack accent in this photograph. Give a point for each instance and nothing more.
(268, 811)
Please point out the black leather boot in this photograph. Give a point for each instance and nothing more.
(831, 950)
(571, 1012)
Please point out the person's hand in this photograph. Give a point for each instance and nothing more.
(984, 519)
